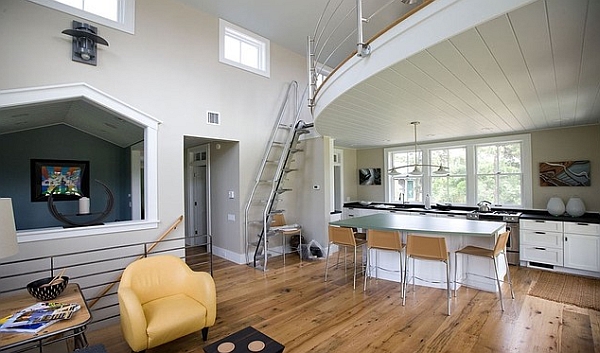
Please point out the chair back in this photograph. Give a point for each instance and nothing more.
(501, 243)
(278, 220)
(341, 235)
(155, 277)
(384, 239)
(432, 248)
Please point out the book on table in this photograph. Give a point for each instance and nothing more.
(38, 316)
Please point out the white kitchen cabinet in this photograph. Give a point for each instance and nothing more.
(349, 212)
(582, 246)
(542, 241)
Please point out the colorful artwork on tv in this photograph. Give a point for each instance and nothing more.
(571, 173)
(66, 180)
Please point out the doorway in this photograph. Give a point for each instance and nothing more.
(198, 195)
(338, 181)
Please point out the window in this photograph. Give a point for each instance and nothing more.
(405, 187)
(451, 187)
(147, 155)
(243, 49)
(499, 173)
(493, 169)
(118, 14)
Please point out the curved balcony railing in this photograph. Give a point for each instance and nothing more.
(341, 29)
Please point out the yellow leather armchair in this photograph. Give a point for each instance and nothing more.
(162, 299)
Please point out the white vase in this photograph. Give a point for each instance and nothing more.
(556, 206)
(575, 207)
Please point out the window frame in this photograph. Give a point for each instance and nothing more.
(527, 177)
(13, 97)
(264, 48)
(125, 21)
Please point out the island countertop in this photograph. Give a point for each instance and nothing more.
(425, 225)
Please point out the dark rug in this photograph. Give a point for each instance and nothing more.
(569, 289)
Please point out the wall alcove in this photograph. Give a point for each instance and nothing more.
(85, 114)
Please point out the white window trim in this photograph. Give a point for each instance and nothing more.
(527, 183)
(17, 97)
(223, 25)
(125, 23)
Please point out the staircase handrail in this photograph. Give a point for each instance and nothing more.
(163, 236)
(292, 86)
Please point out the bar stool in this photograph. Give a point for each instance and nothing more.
(429, 249)
(383, 240)
(343, 236)
(279, 225)
(499, 248)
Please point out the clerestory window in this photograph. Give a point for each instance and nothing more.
(118, 14)
(243, 49)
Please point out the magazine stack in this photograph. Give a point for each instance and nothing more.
(37, 317)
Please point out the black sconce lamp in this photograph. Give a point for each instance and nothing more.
(85, 40)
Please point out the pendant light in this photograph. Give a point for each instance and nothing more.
(417, 169)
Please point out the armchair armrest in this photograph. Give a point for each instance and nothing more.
(201, 287)
(133, 320)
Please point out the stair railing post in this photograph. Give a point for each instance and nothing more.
(312, 75)
(362, 49)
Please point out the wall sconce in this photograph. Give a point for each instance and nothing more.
(8, 233)
(85, 40)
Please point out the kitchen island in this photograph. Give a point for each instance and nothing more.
(472, 271)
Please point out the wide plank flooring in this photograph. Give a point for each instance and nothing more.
(296, 307)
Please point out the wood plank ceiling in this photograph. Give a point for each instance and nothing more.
(537, 67)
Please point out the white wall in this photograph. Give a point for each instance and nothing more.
(169, 69)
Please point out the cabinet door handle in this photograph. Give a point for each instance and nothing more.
(540, 232)
(566, 239)
(582, 224)
(538, 221)
(537, 248)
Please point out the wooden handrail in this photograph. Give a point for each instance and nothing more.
(109, 287)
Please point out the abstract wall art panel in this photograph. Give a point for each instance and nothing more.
(369, 176)
(572, 173)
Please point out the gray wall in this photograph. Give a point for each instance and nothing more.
(108, 163)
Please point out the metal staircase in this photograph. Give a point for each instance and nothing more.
(277, 163)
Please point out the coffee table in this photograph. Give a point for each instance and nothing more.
(247, 340)
(74, 327)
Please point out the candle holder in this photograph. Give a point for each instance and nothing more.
(100, 216)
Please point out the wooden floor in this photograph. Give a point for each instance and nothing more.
(296, 307)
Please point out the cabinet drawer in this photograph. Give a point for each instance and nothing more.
(538, 224)
(582, 228)
(544, 239)
(540, 254)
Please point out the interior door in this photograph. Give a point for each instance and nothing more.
(197, 212)
(199, 205)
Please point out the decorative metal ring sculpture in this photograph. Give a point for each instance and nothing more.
(98, 220)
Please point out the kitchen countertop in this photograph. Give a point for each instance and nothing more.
(542, 214)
